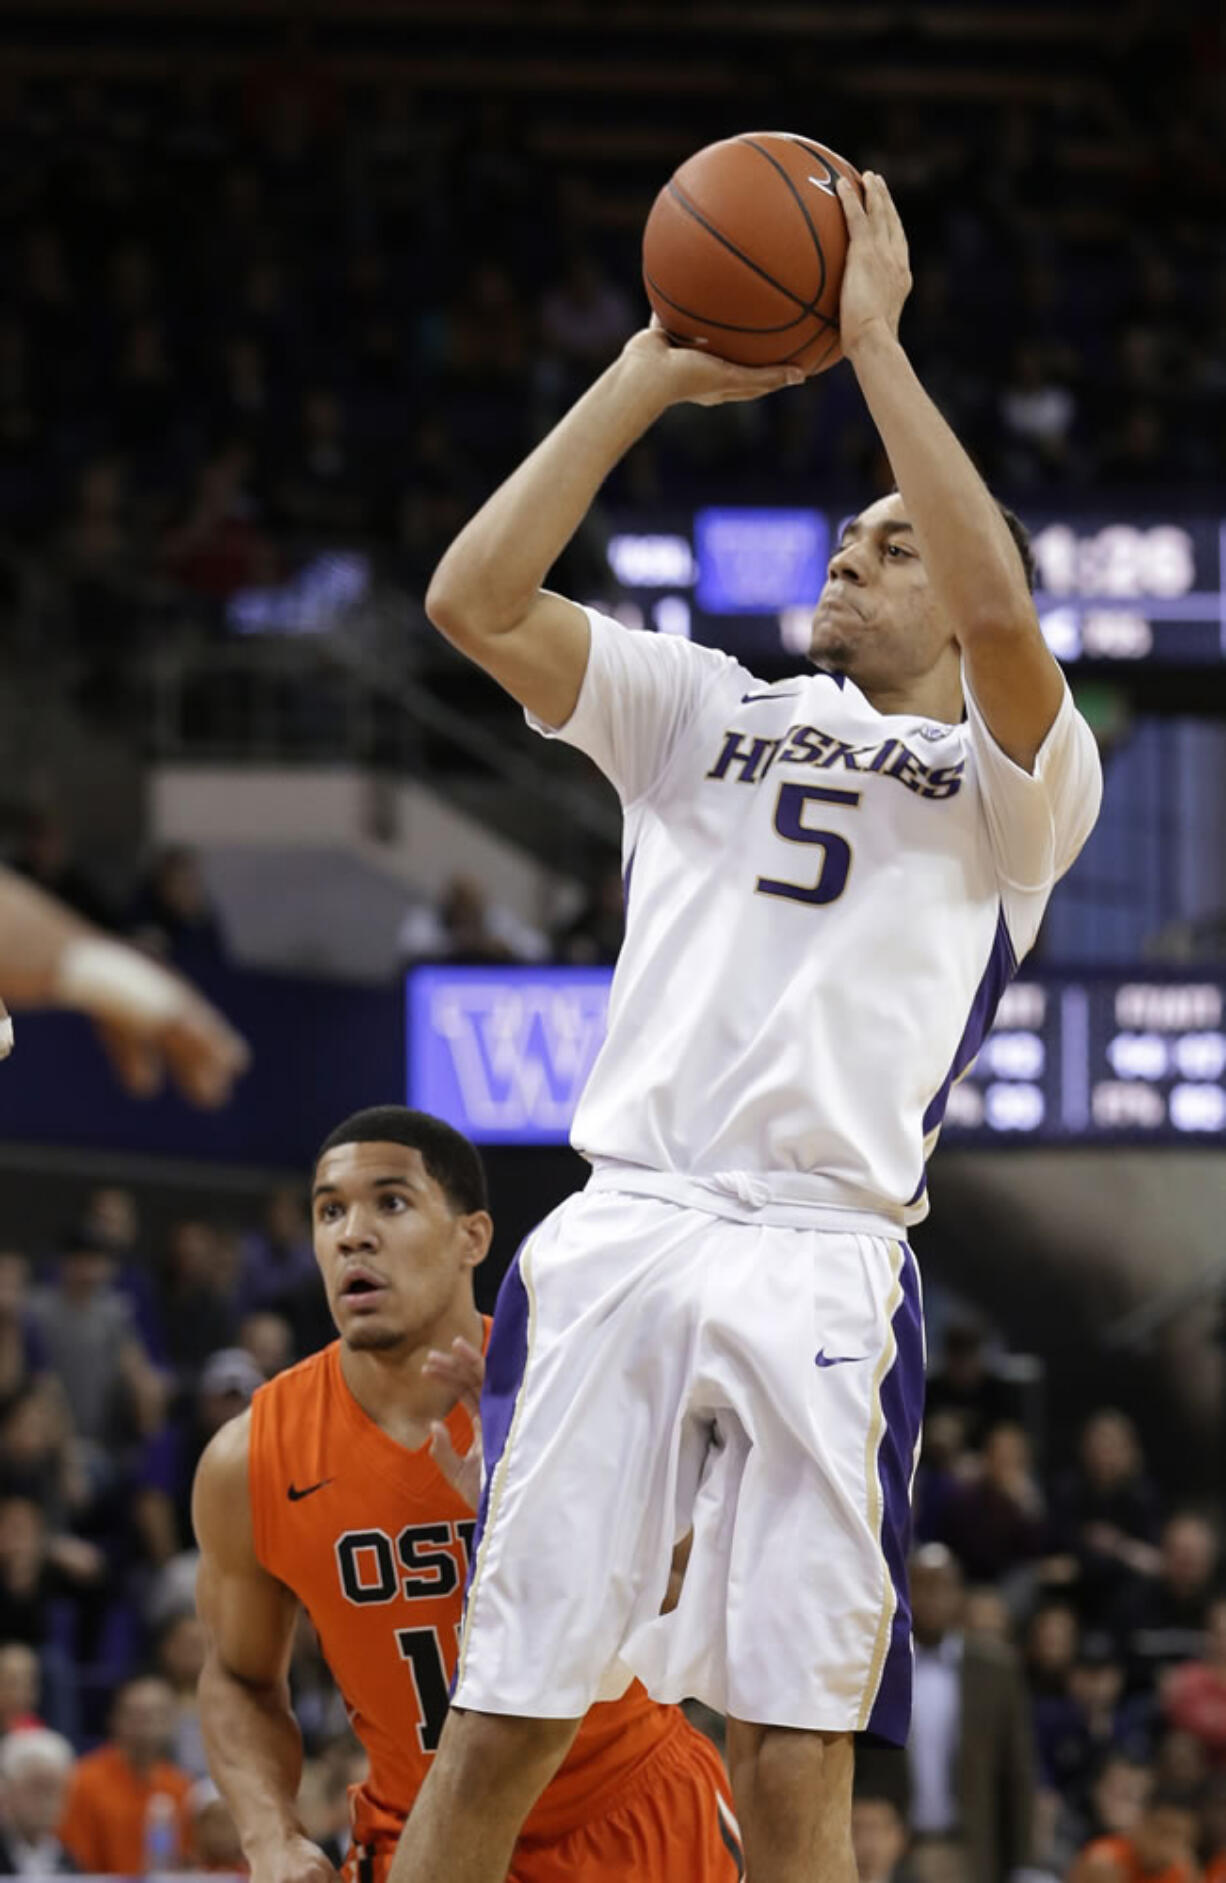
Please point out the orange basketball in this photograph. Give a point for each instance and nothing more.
(744, 250)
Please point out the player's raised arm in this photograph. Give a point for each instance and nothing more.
(486, 595)
(252, 1739)
(971, 560)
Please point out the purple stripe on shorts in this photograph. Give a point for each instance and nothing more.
(505, 1359)
(902, 1406)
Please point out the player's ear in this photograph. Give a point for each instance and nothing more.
(477, 1229)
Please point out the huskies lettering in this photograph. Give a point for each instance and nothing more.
(747, 761)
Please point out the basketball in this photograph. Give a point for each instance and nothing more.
(744, 250)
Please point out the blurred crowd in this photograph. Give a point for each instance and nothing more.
(1070, 1655)
(1070, 1623)
(246, 314)
(118, 1362)
(169, 912)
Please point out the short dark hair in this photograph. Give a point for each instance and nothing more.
(1021, 536)
(449, 1157)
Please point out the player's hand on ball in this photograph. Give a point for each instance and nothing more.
(463, 1369)
(877, 273)
(293, 1859)
(683, 374)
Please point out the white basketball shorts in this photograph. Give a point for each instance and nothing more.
(654, 1368)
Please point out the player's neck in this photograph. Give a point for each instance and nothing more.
(935, 695)
(390, 1387)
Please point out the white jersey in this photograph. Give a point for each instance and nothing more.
(824, 905)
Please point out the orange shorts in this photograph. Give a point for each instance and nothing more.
(672, 1822)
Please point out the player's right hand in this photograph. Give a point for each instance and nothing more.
(682, 374)
(293, 1860)
(463, 1369)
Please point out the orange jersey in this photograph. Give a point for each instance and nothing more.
(375, 1543)
(1119, 1851)
(103, 1827)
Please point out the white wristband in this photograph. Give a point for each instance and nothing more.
(6, 1032)
(115, 982)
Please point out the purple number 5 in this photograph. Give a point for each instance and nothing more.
(836, 851)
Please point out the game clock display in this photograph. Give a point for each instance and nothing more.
(503, 1054)
(1111, 590)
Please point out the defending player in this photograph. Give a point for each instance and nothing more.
(830, 882)
(325, 1495)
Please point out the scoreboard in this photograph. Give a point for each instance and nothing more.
(1112, 590)
(1072, 1059)
(503, 1054)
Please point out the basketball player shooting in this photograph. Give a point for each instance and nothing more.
(830, 882)
(327, 1496)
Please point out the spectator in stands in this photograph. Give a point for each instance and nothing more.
(878, 1839)
(39, 1458)
(127, 1810)
(970, 1754)
(1113, 1806)
(35, 1772)
(277, 1261)
(1078, 1730)
(111, 1222)
(594, 937)
(1164, 1619)
(269, 1339)
(93, 1347)
(214, 1833)
(985, 1612)
(586, 317)
(466, 926)
(1161, 1849)
(1213, 1829)
(995, 1523)
(173, 916)
(20, 1688)
(179, 1658)
(44, 856)
(1051, 1649)
(23, 1354)
(322, 493)
(967, 1384)
(36, 1566)
(1037, 411)
(227, 1382)
(220, 544)
(1105, 1513)
(1194, 1693)
(945, 1465)
(196, 1298)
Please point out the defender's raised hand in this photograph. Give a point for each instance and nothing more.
(464, 1370)
(877, 274)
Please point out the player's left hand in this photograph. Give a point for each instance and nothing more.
(877, 273)
(463, 1369)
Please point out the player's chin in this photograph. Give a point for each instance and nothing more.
(369, 1332)
(830, 650)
